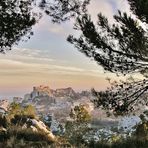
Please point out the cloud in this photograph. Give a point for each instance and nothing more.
(57, 29)
(21, 64)
(97, 6)
(29, 52)
(122, 5)
(27, 55)
(67, 68)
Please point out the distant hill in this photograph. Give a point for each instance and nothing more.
(46, 91)
(58, 102)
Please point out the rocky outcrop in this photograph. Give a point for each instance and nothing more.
(65, 92)
(43, 91)
(17, 99)
(58, 101)
(4, 106)
(39, 125)
(55, 127)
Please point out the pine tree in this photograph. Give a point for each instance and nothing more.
(121, 48)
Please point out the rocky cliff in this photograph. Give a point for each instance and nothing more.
(58, 101)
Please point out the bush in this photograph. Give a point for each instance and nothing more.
(124, 143)
(28, 134)
(3, 121)
(16, 134)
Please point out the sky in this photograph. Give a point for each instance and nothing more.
(48, 59)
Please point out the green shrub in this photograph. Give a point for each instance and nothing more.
(124, 143)
(3, 121)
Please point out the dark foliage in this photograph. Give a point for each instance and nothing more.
(18, 16)
(3, 121)
(140, 8)
(20, 120)
(25, 134)
(29, 135)
(123, 98)
(121, 47)
(16, 20)
(62, 10)
(130, 142)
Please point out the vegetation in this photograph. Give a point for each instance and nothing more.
(16, 110)
(16, 20)
(18, 16)
(16, 128)
(18, 131)
(78, 126)
(121, 48)
(122, 98)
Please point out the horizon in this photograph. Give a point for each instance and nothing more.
(29, 90)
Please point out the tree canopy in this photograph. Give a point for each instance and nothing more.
(18, 16)
(120, 47)
(16, 20)
(63, 10)
(139, 8)
(124, 97)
